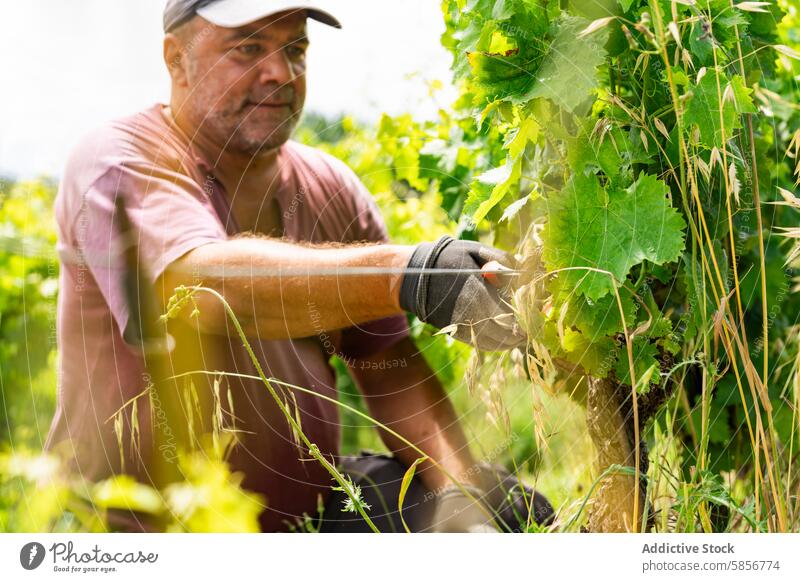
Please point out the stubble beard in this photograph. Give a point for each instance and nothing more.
(260, 143)
(240, 134)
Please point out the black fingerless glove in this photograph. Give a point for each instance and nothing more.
(459, 294)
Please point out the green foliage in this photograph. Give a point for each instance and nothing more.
(715, 106)
(211, 499)
(28, 289)
(125, 492)
(38, 494)
(610, 230)
(646, 365)
(550, 60)
(568, 72)
(639, 144)
(33, 495)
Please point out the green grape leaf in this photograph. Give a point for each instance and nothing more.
(569, 70)
(594, 319)
(612, 153)
(505, 76)
(661, 272)
(588, 154)
(563, 71)
(518, 138)
(670, 344)
(742, 96)
(469, 27)
(645, 365)
(659, 327)
(595, 355)
(489, 189)
(612, 230)
(513, 209)
(716, 114)
(679, 76)
(764, 25)
(601, 317)
(625, 4)
(701, 43)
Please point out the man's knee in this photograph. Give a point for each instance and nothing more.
(380, 478)
(512, 501)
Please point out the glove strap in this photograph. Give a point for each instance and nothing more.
(414, 288)
(425, 278)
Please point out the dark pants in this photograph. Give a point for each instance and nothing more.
(380, 478)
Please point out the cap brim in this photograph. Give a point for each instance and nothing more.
(236, 13)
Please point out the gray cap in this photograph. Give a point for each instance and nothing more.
(235, 13)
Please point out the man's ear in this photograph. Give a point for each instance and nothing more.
(175, 59)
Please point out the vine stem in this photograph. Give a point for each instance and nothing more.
(631, 371)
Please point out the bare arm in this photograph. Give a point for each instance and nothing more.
(288, 304)
(407, 397)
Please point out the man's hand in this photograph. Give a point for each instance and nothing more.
(457, 513)
(481, 314)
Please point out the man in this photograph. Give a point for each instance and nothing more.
(216, 194)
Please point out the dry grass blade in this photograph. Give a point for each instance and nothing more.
(472, 373)
(736, 185)
(673, 30)
(789, 199)
(787, 51)
(794, 234)
(662, 129)
(596, 25)
(407, 477)
(753, 6)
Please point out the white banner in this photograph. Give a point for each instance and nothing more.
(389, 557)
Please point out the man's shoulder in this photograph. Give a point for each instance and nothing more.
(143, 137)
(131, 150)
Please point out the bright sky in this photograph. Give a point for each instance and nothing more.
(70, 65)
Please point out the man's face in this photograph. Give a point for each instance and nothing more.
(245, 87)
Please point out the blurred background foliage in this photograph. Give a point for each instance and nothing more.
(28, 290)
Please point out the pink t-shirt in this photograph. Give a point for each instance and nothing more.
(175, 205)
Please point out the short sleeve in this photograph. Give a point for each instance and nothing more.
(169, 215)
(371, 338)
